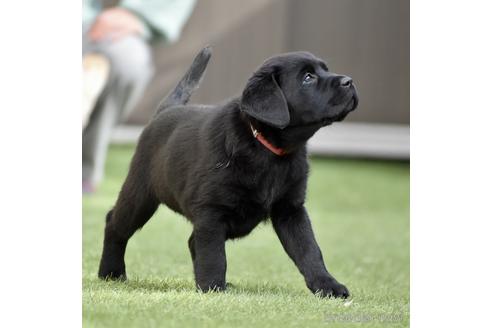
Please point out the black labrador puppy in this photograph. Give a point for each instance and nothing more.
(228, 167)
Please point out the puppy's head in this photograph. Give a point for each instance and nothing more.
(297, 89)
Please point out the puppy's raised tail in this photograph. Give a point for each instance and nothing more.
(181, 94)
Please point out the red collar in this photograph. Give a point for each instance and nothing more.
(258, 136)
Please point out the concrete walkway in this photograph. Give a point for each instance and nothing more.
(362, 140)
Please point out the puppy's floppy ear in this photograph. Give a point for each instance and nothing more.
(264, 100)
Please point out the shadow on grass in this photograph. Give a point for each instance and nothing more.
(144, 285)
(183, 285)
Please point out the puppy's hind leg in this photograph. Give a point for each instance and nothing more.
(131, 212)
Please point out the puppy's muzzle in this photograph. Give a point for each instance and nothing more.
(344, 82)
(345, 86)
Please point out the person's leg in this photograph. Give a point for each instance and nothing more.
(95, 69)
(131, 70)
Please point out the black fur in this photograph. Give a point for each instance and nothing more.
(204, 163)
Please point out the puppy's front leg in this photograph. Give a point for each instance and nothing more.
(207, 246)
(293, 228)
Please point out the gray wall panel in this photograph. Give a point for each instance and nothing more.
(367, 39)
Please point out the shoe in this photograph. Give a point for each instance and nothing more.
(88, 187)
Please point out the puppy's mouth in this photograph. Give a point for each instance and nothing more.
(338, 118)
(349, 107)
(343, 109)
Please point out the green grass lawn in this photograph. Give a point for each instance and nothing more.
(360, 215)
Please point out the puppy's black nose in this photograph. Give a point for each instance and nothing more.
(345, 81)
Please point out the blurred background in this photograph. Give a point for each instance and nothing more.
(367, 40)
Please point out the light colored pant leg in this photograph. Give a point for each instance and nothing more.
(131, 70)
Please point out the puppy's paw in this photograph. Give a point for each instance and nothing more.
(329, 288)
(212, 287)
(107, 273)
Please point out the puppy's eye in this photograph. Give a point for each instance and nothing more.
(309, 78)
